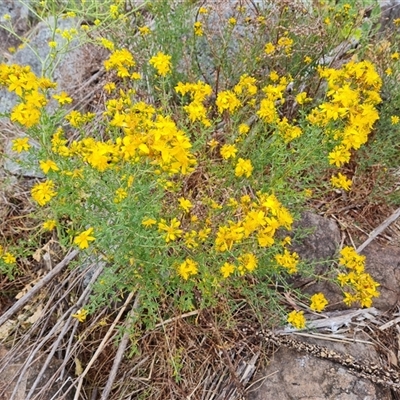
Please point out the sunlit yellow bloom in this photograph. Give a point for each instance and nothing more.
(340, 181)
(228, 151)
(318, 302)
(269, 48)
(187, 268)
(198, 28)
(227, 269)
(243, 167)
(144, 30)
(8, 258)
(394, 119)
(81, 315)
(227, 100)
(49, 225)
(288, 260)
(162, 63)
(83, 239)
(185, 204)
(148, 222)
(172, 230)
(297, 319)
(48, 165)
(43, 192)
(21, 144)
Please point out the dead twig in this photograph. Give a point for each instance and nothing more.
(101, 346)
(119, 355)
(377, 231)
(43, 282)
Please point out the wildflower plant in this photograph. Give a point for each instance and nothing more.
(188, 189)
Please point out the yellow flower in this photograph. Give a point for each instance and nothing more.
(108, 44)
(339, 156)
(48, 165)
(144, 30)
(287, 260)
(318, 302)
(43, 192)
(227, 269)
(340, 181)
(395, 56)
(8, 258)
(297, 319)
(269, 48)
(21, 144)
(172, 231)
(198, 28)
(227, 100)
(148, 222)
(243, 129)
(213, 143)
(248, 261)
(49, 225)
(81, 315)
(185, 204)
(83, 239)
(109, 87)
(232, 21)
(302, 98)
(187, 268)
(52, 44)
(228, 151)
(243, 167)
(162, 63)
(395, 119)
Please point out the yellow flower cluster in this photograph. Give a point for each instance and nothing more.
(350, 112)
(297, 319)
(198, 93)
(7, 257)
(162, 63)
(362, 285)
(120, 60)
(43, 192)
(260, 219)
(147, 136)
(24, 83)
(288, 260)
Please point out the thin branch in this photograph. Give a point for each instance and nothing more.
(43, 282)
(377, 231)
(120, 354)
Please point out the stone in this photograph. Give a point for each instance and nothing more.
(10, 374)
(315, 239)
(294, 375)
(383, 263)
(19, 22)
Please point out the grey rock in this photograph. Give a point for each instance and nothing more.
(18, 22)
(318, 238)
(11, 373)
(390, 10)
(23, 164)
(69, 70)
(294, 375)
(383, 263)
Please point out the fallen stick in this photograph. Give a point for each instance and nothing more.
(119, 355)
(377, 231)
(43, 282)
(103, 343)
